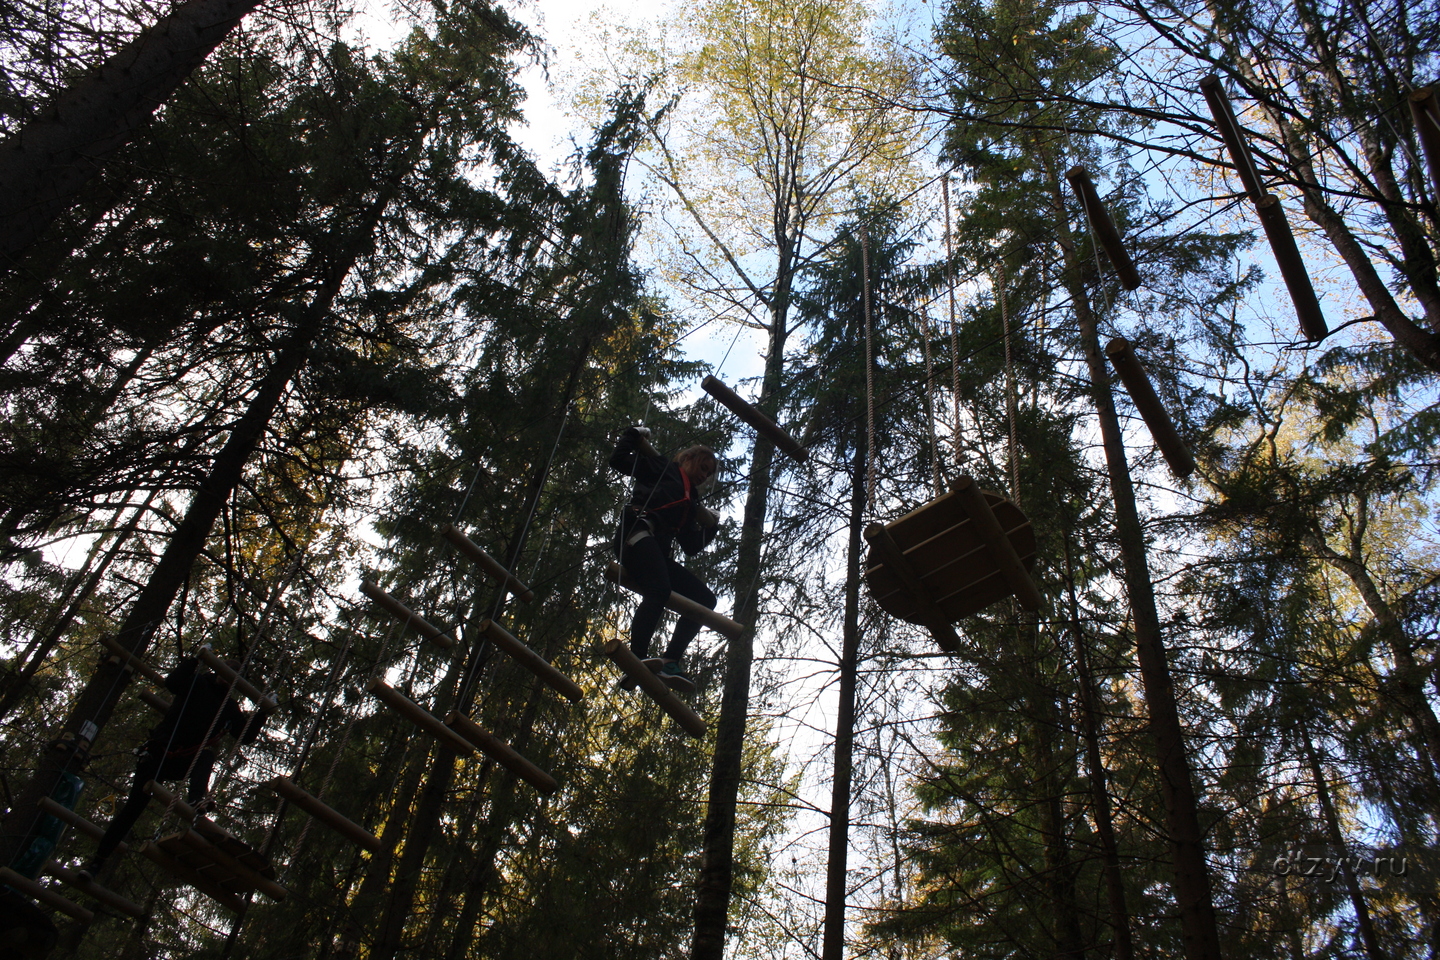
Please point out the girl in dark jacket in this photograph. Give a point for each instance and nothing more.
(665, 507)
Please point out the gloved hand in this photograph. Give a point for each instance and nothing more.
(642, 432)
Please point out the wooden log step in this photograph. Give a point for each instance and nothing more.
(222, 669)
(489, 564)
(655, 688)
(407, 616)
(419, 716)
(128, 661)
(684, 606)
(503, 753)
(326, 814)
(532, 661)
(1104, 227)
(1003, 552)
(154, 701)
(751, 415)
(66, 815)
(1152, 411)
(90, 888)
(43, 894)
(1292, 268)
(151, 851)
(1229, 130)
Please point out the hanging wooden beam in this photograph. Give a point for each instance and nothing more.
(1229, 129)
(502, 752)
(407, 616)
(129, 661)
(1425, 113)
(90, 888)
(1001, 550)
(684, 606)
(657, 689)
(531, 660)
(326, 814)
(1157, 418)
(1292, 268)
(154, 700)
(419, 716)
(222, 669)
(68, 816)
(151, 851)
(1105, 230)
(751, 415)
(42, 893)
(171, 800)
(489, 564)
(936, 622)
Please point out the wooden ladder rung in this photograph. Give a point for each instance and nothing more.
(503, 753)
(419, 716)
(532, 661)
(655, 688)
(407, 616)
(1152, 411)
(489, 564)
(93, 890)
(128, 661)
(1104, 227)
(66, 815)
(223, 671)
(45, 895)
(326, 814)
(684, 606)
(154, 701)
(751, 414)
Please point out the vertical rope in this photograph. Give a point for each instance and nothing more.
(930, 399)
(869, 369)
(954, 337)
(1010, 401)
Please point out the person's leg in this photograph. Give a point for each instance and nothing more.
(200, 776)
(686, 584)
(647, 566)
(146, 769)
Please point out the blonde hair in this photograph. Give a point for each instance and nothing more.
(698, 456)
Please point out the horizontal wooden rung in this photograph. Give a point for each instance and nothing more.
(489, 564)
(154, 701)
(222, 670)
(655, 688)
(532, 661)
(129, 661)
(1152, 411)
(90, 888)
(752, 415)
(419, 716)
(1105, 230)
(66, 815)
(407, 616)
(45, 895)
(326, 814)
(502, 752)
(684, 606)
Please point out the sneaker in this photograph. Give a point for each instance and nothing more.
(678, 682)
(653, 664)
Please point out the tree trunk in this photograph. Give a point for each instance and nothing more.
(44, 165)
(836, 884)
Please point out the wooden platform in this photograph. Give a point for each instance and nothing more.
(951, 561)
(225, 863)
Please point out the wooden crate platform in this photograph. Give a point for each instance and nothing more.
(947, 555)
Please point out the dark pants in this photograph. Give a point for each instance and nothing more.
(155, 765)
(657, 574)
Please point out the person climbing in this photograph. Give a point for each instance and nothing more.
(182, 743)
(664, 507)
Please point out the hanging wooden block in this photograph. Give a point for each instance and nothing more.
(327, 815)
(419, 716)
(226, 898)
(684, 606)
(967, 549)
(223, 671)
(1425, 113)
(68, 816)
(1292, 268)
(655, 688)
(502, 752)
(45, 895)
(751, 415)
(1142, 394)
(129, 662)
(1229, 130)
(406, 616)
(531, 660)
(1105, 230)
(172, 801)
(489, 564)
(90, 888)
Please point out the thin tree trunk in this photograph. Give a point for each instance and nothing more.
(836, 881)
(44, 164)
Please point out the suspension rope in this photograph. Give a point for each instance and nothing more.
(869, 369)
(1010, 400)
(930, 399)
(954, 335)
